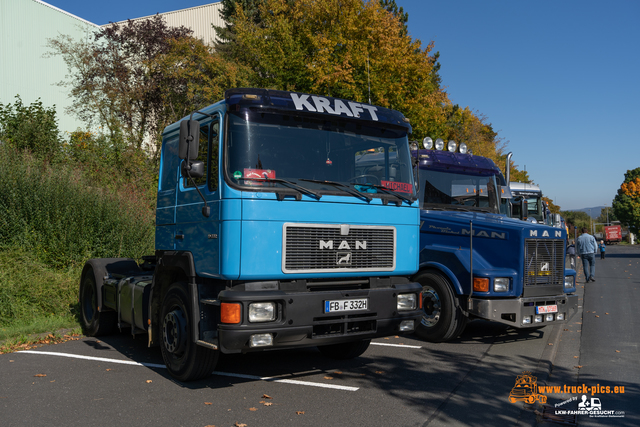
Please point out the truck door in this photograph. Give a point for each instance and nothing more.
(196, 233)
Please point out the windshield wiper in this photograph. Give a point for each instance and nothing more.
(289, 184)
(343, 187)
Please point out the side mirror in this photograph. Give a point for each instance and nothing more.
(524, 209)
(189, 139)
(192, 169)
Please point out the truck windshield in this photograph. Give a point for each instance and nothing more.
(270, 150)
(458, 191)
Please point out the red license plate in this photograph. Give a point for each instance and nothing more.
(542, 309)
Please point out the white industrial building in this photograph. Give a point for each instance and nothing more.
(27, 70)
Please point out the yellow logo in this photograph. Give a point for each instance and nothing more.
(526, 389)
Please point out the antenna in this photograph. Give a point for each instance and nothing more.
(368, 80)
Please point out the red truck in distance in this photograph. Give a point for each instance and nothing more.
(612, 234)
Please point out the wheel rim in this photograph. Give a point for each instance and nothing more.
(89, 303)
(431, 305)
(174, 331)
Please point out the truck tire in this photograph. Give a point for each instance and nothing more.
(94, 322)
(185, 360)
(344, 351)
(443, 319)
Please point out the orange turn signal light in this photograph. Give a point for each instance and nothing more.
(230, 312)
(480, 284)
(420, 300)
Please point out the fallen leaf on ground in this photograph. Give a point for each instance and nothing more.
(550, 343)
(579, 366)
(148, 381)
(268, 403)
(617, 351)
(575, 357)
(208, 403)
(379, 372)
(40, 375)
(328, 378)
(266, 396)
(237, 424)
(300, 412)
(338, 372)
(253, 409)
(597, 315)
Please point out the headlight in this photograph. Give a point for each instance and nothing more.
(463, 148)
(568, 282)
(407, 302)
(501, 284)
(439, 144)
(427, 143)
(451, 146)
(262, 311)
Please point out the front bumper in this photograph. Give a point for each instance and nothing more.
(514, 311)
(301, 321)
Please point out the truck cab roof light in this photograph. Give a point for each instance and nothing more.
(451, 146)
(439, 144)
(463, 148)
(427, 143)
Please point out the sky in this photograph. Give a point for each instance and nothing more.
(558, 80)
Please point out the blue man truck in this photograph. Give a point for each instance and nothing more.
(270, 234)
(477, 263)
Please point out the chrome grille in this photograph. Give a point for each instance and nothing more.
(337, 247)
(544, 262)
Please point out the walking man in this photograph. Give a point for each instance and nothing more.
(587, 248)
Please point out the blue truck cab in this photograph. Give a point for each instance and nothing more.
(275, 229)
(475, 261)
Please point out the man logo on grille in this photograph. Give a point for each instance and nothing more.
(544, 266)
(343, 259)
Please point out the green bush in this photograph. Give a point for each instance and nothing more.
(33, 128)
(34, 294)
(62, 221)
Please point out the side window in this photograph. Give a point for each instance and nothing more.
(214, 131)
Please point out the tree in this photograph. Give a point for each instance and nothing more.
(136, 78)
(33, 128)
(344, 48)
(626, 204)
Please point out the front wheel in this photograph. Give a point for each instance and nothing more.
(185, 360)
(344, 351)
(443, 319)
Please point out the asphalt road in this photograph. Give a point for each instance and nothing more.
(400, 381)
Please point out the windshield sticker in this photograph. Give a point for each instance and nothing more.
(257, 174)
(401, 187)
(237, 174)
(319, 104)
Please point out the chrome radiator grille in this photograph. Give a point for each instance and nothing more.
(337, 247)
(543, 262)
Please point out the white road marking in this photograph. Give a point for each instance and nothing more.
(279, 380)
(226, 374)
(396, 345)
(97, 359)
